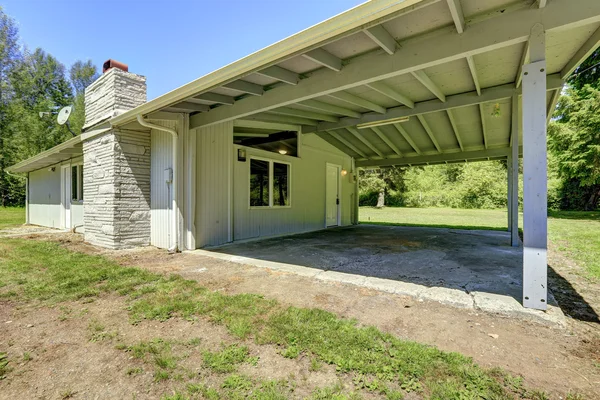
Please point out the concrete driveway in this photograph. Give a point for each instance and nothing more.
(464, 268)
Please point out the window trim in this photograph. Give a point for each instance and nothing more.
(79, 166)
(271, 161)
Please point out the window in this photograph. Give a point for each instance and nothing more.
(259, 183)
(77, 182)
(281, 173)
(269, 183)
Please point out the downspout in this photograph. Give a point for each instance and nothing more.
(174, 207)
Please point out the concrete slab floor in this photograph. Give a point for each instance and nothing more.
(463, 268)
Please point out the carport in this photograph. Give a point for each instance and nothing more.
(406, 82)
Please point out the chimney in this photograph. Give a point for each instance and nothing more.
(117, 90)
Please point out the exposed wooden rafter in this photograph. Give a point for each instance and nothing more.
(425, 125)
(358, 101)
(324, 58)
(455, 129)
(188, 106)
(305, 114)
(429, 84)
(245, 87)
(582, 54)
(483, 125)
(457, 15)
(319, 105)
(346, 143)
(360, 137)
(407, 137)
(280, 74)
(386, 140)
(391, 93)
(380, 36)
(214, 98)
(473, 70)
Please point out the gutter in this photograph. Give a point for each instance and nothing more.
(174, 206)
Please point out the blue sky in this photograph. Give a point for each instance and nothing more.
(170, 42)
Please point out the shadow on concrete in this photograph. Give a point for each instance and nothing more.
(467, 260)
(569, 300)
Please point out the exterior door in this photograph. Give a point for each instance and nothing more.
(332, 195)
(65, 196)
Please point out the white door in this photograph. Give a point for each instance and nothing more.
(332, 195)
(65, 196)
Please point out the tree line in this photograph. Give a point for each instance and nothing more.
(33, 82)
(573, 163)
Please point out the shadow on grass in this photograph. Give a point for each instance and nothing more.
(579, 215)
(569, 300)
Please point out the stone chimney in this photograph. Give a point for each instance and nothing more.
(117, 90)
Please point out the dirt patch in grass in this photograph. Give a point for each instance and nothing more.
(93, 337)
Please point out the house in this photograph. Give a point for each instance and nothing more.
(270, 145)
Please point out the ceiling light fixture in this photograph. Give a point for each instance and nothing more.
(283, 152)
(383, 122)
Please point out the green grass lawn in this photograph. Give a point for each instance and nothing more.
(11, 216)
(575, 233)
(381, 365)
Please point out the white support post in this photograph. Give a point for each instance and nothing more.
(189, 170)
(535, 229)
(514, 167)
(509, 173)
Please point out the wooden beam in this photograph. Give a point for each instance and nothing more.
(407, 137)
(380, 36)
(582, 54)
(509, 29)
(358, 101)
(280, 74)
(483, 125)
(391, 93)
(245, 87)
(284, 119)
(253, 124)
(347, 143)
(455, 101)
(457, 15)
(473, 70)
(524, 60)
(250, 134)
(455, 129)
(438, 158)
(324, 58)
(387, 141)
(191, 107)
(360, 137)
(305, 114)
(215, 98)
(429, 132)
(429, 84)
(319, 105)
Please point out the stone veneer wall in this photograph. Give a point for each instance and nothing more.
(113, 93)
(116, 183)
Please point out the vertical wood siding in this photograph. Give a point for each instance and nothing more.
(160, 192)
(44, 197)
(213, 198)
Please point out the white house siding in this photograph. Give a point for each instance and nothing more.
(213, 197)
(160, 191)
(44, 197)
(307, 211)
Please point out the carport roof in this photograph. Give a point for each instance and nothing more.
(453, 67)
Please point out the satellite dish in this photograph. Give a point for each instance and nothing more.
(64, 114)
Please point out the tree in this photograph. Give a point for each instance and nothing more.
(381, 181)
(9, 56)
(574, 140)
(588, 73)
(82, 75)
